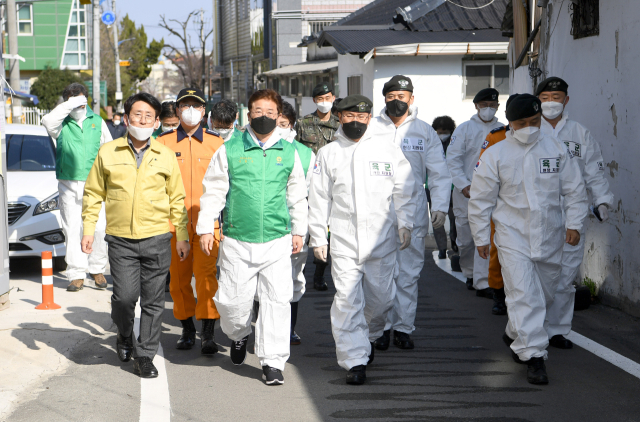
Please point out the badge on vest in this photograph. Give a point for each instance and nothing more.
(574, 148)
(600, 166)
(550, 165)
(279, 161)
(485, 144)
(412, 144)
(453, 139)
(316, 168)
(477, 165)
(381, 169)
(178, 154)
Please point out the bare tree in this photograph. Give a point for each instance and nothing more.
(190, 59)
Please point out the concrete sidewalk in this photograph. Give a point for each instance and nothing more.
(35, 345)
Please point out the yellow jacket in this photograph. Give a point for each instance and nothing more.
(139, 202)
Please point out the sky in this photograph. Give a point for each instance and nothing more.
(147, 12)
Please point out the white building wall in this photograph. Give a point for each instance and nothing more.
(352, 65)
(605, 96)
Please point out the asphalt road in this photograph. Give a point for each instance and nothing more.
(460, 370)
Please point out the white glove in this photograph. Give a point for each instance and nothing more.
(437, 219)
(75, 102)
(321, 253)
(405, 238)
(604, 212)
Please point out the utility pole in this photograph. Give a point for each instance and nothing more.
(117, 56)
(96, 57)
(203, 53)
(12, 30)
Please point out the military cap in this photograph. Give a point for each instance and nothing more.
(321, 89)
(487, 94)
(552, 84)
(523, 106)
(357, 103)
(190, 93)
(397, 83)
(511, 97)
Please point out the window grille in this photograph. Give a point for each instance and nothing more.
(354, 85)
(585, 18)
(316, 27)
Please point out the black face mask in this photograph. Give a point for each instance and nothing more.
(263, 125)
(354, 130)
(397, 108)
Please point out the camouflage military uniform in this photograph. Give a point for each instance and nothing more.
(314, 133)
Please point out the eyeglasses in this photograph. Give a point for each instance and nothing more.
(140, 118)
(183, 107)
(259, 113)
(361, 117)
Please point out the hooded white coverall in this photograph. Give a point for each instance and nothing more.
(423, 149)
(299, 260)
(462, 156)
(71, 192)
(586, 152)
(247, 268)
(362, 190)
(520, 187)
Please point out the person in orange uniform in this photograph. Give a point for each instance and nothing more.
(194, 146)
(495, 269)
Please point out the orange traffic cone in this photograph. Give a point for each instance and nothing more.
(47, 282)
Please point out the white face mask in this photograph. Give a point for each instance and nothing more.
(225, 134)
(527, 135)
(78, 113)
(141, 133)
(487, 113)
(191, 116)
(552, 109)
(324, 107)
(444, 137)
(116, 122)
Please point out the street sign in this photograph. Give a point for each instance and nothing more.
(103, 91)
(125, 63)
(108, 18)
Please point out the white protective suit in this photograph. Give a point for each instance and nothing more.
(299, 260)
(423, 149)
(362, 190)
(71, 192)
(586, 153)
(520, 187)
(249, 268)
(462, 156)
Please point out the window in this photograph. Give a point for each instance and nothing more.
(25, 19)
(75, 50)
(354, 85)
(293, 86)
(585, 18)
(30, 153)
(485, 75)
(316, 27)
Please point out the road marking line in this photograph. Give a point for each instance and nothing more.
(155, 401)
(589, 345)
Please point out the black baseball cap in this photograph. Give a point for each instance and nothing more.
(191, 93)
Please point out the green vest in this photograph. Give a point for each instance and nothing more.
(256, 210)
(304, 152)
(77, 148)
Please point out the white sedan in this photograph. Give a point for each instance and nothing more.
(32, 192)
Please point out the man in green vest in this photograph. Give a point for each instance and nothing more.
(259, 181)
(78, 133)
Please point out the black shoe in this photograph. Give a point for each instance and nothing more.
(454, 247)
(536, 371)
(318, 278)
(357, 375)
(238, 351)
(382, 342)
(470, 284)
(402, 340)
(499, 304)
(507, 340)
(455, 263)
(188, 337)
(295, 339)
(144, 367)
(442, 254)
(560, 342)
(124, 348)
(272, 376)
(208, 344)
(371, 355)
(488, 293)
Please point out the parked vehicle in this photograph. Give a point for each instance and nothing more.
(32, 191)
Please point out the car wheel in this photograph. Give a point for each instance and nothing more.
(59, 264)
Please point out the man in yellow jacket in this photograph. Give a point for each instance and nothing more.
(139, 180)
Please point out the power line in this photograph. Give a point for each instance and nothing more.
(467, 7)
